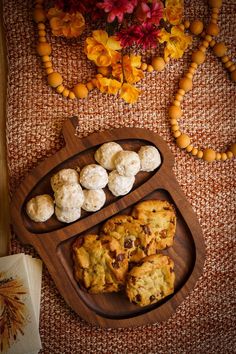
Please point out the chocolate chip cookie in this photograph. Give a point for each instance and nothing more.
(151, 280)
(100, 264)
(134, 237)
(160, 217)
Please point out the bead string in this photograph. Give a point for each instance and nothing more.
(183, 141)
(81, 90)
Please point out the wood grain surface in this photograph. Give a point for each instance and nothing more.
(4, 196)
(53, 239)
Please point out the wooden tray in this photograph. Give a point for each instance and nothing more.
(52, 239)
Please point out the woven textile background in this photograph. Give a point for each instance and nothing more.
(205, 321)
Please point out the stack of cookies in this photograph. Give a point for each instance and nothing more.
(125, 254)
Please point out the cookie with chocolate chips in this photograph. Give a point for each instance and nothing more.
(160, 217)
(100, 263)
(135, 237)
(151, 280)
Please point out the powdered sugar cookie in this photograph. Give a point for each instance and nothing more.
(40, 208)
(94, 199)
(120, 185)
(64, 176)
(127, 163)
(69, 196)
(106, 153)
(67, 215)
(150, 158)
(93, 177)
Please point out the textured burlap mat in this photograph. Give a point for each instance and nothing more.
(205, 322)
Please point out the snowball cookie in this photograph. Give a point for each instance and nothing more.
(93, 177)
(150, 158)
(106, 153)
(94, 199)
(69, 196)
(127, 163)
(40, 208)
(67, 215)
(120, 185)
(65, 176)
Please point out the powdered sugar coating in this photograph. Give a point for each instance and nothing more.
(94, 199)
(120, 185)
(67, 215)
(150, 158)
(127, 163)
(106, 153)
(69, 196)
(93, 177)
(64, 176)
(40, 208)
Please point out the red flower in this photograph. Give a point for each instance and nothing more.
(147, 35)
(117, 8)
(128, 36)
(151, 13)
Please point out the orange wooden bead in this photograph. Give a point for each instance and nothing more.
(158, 63)
(38, 6)
(42, 40)
(220, 49)
(150, 68)
(44, 49)
(186, 24)
(192, 70)
(179, 97)
(213, 21)
(144, 66)
(205, 44)
(49, 71)
(176, 103)
(173, 121)
(189, 148)
(215, 10)
(181, 92)
(177, 134)
(41, 26)
(208, 38)
(215, 3)
(196, 27)
(194, 65)
(194, 152)
(233, 149)
(94, 82)
(202, 48)
(39, 15)
(218, 156)
(175, 112)
(229, 64)
(45, 58)
(175, 128)
(223, 156)
(232, 68)
(89, 86)
(225, 58)
(65, 92)
(42, 33)
(209, 155)
(214, 16)
(183, 141)
(213, 29)
(55, 79)
(230, 155)
(189, 75)
(48, 64)
(198, 57)
(212, 43)
(80, 91)
(60, 88)
(186, 84)
(200, 154)
(71, 95)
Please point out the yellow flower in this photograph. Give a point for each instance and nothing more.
(174, 11)
(65, 24)
(108, 85)
(129, 93)
(130, 69)
(176, 42)
(101, 49)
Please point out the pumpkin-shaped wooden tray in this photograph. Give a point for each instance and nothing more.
(53, 239)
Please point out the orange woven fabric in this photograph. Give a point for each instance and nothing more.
(205, 321)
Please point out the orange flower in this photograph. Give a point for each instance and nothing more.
(101, 49)
(130, 69)
(65, 24)
(174, 11)
(129, 93)
(108, 85)
(176, 42)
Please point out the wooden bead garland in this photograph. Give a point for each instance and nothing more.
(81, 90)
(185, 85)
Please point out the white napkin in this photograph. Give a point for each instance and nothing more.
(21, 274)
